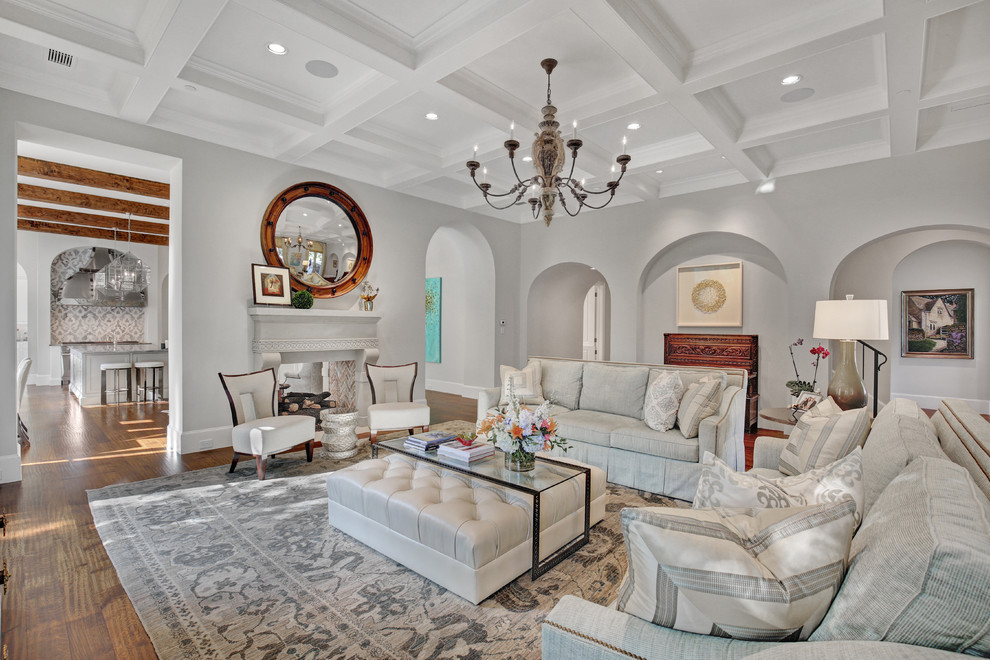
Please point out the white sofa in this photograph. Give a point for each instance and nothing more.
(599, 410)
(917, 579)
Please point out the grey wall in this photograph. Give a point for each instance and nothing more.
(792, 242)
(219, 195)
(555, 310)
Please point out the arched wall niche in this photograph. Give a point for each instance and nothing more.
(462, 257)
(765, 304)
(555, 310)
(920, 259)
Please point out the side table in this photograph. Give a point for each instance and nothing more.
(787, 416)
(339, 437)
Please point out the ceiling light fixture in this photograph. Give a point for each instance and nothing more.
(633, 127)
(659, 171)
(432, 116)
(548, 161)
(767, 186)
(791, 80)
(277, 49)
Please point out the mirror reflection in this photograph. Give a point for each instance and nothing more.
(316, 241)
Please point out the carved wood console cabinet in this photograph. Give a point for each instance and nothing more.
(739, 351)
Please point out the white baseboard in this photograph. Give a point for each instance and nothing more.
(191, 442)
(469, 391)
(981, 406)
(43, 380)
(10, 468)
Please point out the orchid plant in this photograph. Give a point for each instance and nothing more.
(797, 385)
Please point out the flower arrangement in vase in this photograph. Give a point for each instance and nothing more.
(520, 432)
(797, 385)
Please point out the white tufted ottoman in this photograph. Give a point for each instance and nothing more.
(470, 536)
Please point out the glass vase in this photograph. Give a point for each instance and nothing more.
(520, 461)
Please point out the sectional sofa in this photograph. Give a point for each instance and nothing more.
(918, 580)
(599, 410)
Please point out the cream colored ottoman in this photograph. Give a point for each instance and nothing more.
(468, 535)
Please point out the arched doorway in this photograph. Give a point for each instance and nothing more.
(462, 259)
(556, 312)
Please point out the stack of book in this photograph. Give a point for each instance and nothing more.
(466, 454)
(428, 441)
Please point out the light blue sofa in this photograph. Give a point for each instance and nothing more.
(599, 410)
(941, 602)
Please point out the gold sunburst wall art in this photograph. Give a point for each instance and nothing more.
(710, 295)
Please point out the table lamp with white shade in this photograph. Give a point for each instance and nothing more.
(850, 321)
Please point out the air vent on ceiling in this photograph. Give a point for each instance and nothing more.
(58, 57)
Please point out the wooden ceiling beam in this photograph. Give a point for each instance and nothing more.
(90, 219)
(44, 169)
(92, 202)
(89, 232)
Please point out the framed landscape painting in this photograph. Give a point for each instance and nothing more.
(937, 323)
(433, 301)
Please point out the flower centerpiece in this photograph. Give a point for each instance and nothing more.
(797, 385)
(520, 432)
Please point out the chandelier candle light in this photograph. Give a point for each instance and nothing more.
(549, 158)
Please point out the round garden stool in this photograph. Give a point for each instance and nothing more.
(114, 368)
(339, 437)
(157, 370)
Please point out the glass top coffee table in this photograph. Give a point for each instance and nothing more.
(546, 474)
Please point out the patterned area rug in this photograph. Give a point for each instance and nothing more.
(224, 566)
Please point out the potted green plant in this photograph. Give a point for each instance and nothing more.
(302, 299)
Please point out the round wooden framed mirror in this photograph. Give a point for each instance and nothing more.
(321, 235)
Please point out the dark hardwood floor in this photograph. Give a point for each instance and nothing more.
(64, 599)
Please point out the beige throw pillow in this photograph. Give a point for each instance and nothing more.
(663, 397)
(526, 382)
(818, 440)
(700, 400)
(720, 485)
(757, 574)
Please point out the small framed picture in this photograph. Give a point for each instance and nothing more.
(271, 285)
(807, 401)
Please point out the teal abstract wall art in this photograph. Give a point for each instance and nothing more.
(433, 305)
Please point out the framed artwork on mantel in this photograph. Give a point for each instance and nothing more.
(271, 285)
(710, 295)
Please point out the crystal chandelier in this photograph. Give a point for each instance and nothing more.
(548, 161)
(125, 274)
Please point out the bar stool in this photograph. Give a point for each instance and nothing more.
(157, 369)
(115, 368)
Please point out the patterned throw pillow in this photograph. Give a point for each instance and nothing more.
(818, 440)
(720, 485)
(757, 574)
(663, 397)
(526, 382)
(700, 400)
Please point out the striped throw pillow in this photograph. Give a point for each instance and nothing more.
(700, 400)
(720, 485)
(818, 440)
(756, 574)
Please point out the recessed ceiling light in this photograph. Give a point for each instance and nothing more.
(277, 49)
(791, 80)
(659, 171)
(527, 159)
(633, 127)
(432, 116)
(767, 186)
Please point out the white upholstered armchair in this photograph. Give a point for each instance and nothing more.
(392, 407)
(258, 430)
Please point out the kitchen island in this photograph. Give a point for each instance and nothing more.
(86, 360)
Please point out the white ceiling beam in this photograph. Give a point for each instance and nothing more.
(905, 49)
(186, 29)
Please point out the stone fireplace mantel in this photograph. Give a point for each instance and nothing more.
(285, 335)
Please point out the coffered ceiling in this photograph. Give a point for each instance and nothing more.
(701, 78)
